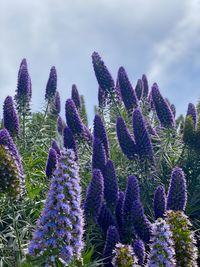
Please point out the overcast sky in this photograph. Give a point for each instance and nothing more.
(157, 37)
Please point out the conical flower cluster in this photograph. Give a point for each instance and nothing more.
(59, 230)
(75, 96)
(159, 202)
(51, 86)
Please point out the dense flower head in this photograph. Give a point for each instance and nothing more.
(142, 225)
(127, 92)
(69, 141)
(73, 119)
(159, 202)
(23, 91)
(10, 117)
(101, 97)
(191, 111)
(139, 89)
(103, 76)
(110, 185)
(177, 193)
(162, 251)
(119, 211)
(112, 238)
(75, 96)
(94, 196)
(56, 105)
(60, 125)
(139, 250)
(162, 108)
(123, 256)
(59, 229)
(98, 155)
(51, 84)
(126, 141)
(145, 86)
(105, 218)
(99, 131)
(6, 140)
(55, 146)
(142, 137)
(11, 181)
(52, 162)
(183, 237)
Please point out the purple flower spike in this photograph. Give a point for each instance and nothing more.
(159, 202)
(98, 156)
(139, 89)
(73, 118)
(142, 225)
(69, 141)
(75, 96)
(51, 162)
(55, 146)
(60, 125)
(173, 109)
(191, 111)
(119, 211)
(145, 86)
(103, 76)
(142, 137)
(59, 230)
(177, 193)
(10, 117)
(139, 250)
(126, 141)
(105, 218)
(112, 238)
(128, 94)
(162, 108)
(110, 185)
(57, 104)
(101, 97)
(100, 133)
(94, 196)
(51, 84)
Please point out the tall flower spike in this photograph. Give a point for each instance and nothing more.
(59, 230)
(162, 246)
(56, 104)
(142, 225)
(146, 86)
(100, 133)
(105, 218)
(123, 256)
(139, 250)
(191, 111)
(112, 238)
(183, 237)
(10, 117)
(142, 137)
(94, 197)
(139, 89)
(110, 185)
(60, 125)
(177, 193)
(126, 141)
(162, 108)
(103, 76)
(52, 162)
(119, 211)
(101, 97)
(159, 202)
(98, 156)
(173, 109)
(55, 146)
(75, 96)
(128, 94)
(51, 85)
(69, 141)
(73, 118)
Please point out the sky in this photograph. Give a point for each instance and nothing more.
(156, 37)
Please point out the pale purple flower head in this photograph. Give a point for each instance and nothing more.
(177, 193)
(75, 96)
(10, 117)
(159, 202)
(126, 141)
(52, 162)
(103, 76)
(127, 93)
(51, 86)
